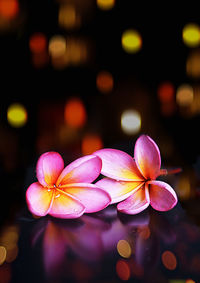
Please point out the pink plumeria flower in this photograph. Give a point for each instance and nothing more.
(133, 181)
(66, 192)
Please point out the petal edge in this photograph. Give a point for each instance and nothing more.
(84, 169)
(147, 157)
(48, 168)
(162, 196)
(39, 199)
(118, 165)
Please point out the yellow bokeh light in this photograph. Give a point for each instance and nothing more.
(105, 4)
(184, 95)
(191, 35)
(17, 115)
(57, 46)
(131, 121)
(131, 41)
(2, 254)
(124, 248)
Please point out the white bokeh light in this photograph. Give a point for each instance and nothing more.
(131, 121)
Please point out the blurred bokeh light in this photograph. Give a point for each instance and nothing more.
(68, 17)
(105, 4)
(38, 42)
(9, 8)
(131, 121)
(91, 143)
(131, 41)
(104, 81)
(184, 187)
(75, 113)
(169, 260)
(144, 232)
(123, 270)
(166, 92)
(184, 95)
(2, 254)
(17, 115)
(191, 35)
(9, 244)
(193, 64)
(57, 46)
(124, 249)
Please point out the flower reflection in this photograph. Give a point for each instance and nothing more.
(89, 238)
(164, 244)
(143, 244)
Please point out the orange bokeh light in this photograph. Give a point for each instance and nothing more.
(91, 143)
(9, 8)
(104, 81)
(75, 113)
(38, 43)
(123, 270)
(144, 232)
(166, 92)
(169, 260)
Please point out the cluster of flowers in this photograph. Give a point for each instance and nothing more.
(131, 182)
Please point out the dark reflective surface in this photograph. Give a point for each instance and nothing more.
(107, 247)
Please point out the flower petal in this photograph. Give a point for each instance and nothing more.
(49, 167)
(118, 165)
(118, 190)
(136, 203)
(162, 196)
(91, 196)
(85, 169)
(39, 199)
(66, 206)
(147, 157)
